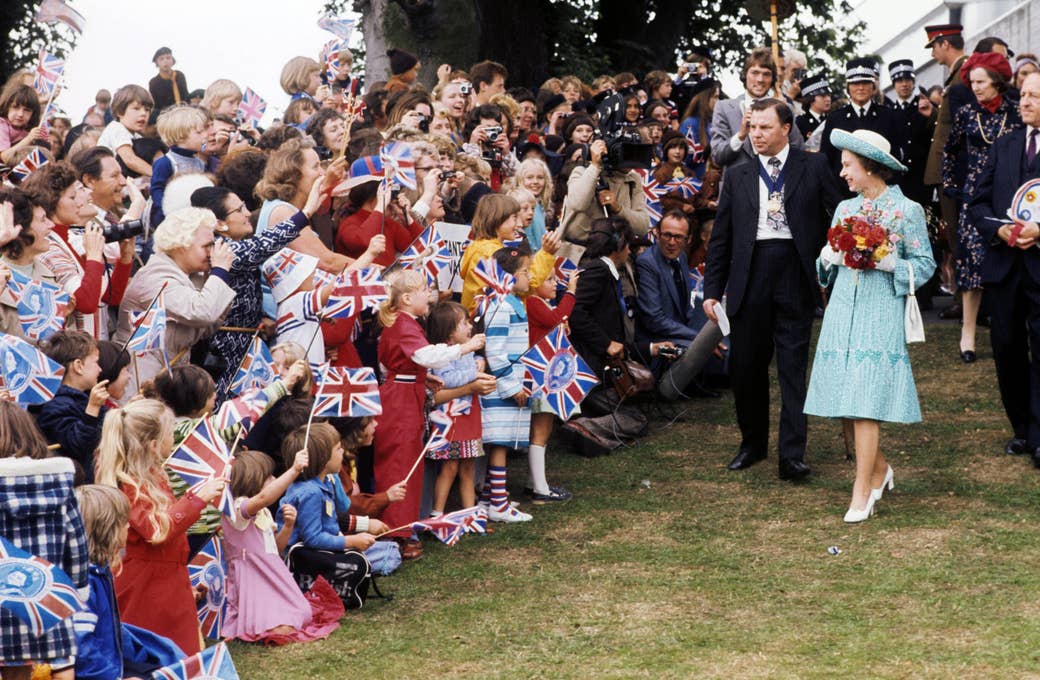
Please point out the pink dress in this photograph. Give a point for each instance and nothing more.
(261, 593)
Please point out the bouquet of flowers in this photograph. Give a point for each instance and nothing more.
(862, 239)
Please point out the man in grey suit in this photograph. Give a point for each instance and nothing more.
(729, 124)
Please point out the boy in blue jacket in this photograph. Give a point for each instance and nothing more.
(73, 418)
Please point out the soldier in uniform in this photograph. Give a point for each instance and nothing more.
(816, 102)
(861, 113)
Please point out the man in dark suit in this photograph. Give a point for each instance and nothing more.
(773, 216)
(665, 309)
(1011, 272)
(861, 113)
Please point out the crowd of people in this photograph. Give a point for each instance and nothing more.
(701, 233)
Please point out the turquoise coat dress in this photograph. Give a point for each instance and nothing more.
(862, 368)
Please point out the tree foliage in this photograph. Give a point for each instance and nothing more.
(539, 38)
(21, 37)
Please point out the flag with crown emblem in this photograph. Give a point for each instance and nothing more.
(42, 306)
(256, 369)
(560, 378)
(208, 570)
(29, 375)
(149, 327)
(34, 590)
(252, 107)
(212, 663)
(49, 69)
(28, 165)
(347, 392)
(353, 292)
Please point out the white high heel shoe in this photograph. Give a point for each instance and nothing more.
(857, 516)
(886, 483)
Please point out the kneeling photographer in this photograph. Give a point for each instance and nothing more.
(608, 186)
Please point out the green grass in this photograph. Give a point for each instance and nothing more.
(710, 573)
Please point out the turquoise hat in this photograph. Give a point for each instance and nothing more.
(869, 145)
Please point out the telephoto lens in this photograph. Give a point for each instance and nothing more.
(123, 230)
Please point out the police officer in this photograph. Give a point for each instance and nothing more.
(816, 102)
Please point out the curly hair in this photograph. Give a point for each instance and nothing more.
(47, 184)
(23, 205)
(282, 173)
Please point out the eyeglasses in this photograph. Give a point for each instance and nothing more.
(240, 208)
(674, 237)
(428, 167)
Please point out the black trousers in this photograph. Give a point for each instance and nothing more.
(776, 315)
(1014, 309)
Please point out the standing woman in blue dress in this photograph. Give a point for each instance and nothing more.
(861, 372)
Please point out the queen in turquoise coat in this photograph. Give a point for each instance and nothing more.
(861, 372)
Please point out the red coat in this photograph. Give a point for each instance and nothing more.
(153, 589)
(542, 317)
(399, 434)
(356, 231)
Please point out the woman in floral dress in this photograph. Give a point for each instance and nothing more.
(975, 128)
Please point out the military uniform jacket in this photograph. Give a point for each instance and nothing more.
(955, 95)
(879, 118)
(917, 130)
(808, 122)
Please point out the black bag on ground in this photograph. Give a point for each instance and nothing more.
(347, 571)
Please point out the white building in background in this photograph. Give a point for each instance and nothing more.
(895, 29)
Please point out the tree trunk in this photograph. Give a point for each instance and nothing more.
(377, 64)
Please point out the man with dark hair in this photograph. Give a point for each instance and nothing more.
(100, 173)
(773, 216)
(947, 45)
(861, 113)
(730, 141)
(489, 79)
(168, 87)
(994, 44)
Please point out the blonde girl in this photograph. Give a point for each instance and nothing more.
(153, 589)
(533, 174)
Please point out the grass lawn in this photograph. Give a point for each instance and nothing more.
(666, 564)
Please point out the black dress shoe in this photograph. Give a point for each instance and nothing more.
(968, 356)
(793, 470)
(1016, 447)
(745, 459)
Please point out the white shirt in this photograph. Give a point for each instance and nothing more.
(115, 135)
(765, 230)
(862, 111)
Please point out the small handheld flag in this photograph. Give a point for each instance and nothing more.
(48, 71)
(560, 377)
(34, 590)
(341, 26)
(449, 528)
(245, 410)
(256, 369)
(149, 327)
(252, 107)
(30, 164)
(209, 569)
(496, 282)
(354, 292)
(203, 456)
(330, 58)
(30, 376)
(347, 392)
(398, 164)
(54, 11)
(42, 306)
(212, 663)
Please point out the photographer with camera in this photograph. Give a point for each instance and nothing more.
(487, 129)
(77, 257)
(601, 190)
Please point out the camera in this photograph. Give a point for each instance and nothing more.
(671, 352)
(492, 133)
(324, 153)
(118, 232)
(625, 148)
(395, 192)
(466, 88)
(798, 74)
(424, 124)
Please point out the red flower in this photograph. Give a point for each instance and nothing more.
(860, 227)
(878, 235)
(846, 242)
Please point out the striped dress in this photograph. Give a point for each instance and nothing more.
(505, 423)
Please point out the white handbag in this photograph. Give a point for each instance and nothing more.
(913, 324)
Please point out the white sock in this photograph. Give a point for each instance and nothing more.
(536, 466)
(435, 513)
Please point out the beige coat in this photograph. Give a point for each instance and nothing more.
(195, 306)
(580, 206)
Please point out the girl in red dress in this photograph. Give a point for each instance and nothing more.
(404, 357)
(153, 589)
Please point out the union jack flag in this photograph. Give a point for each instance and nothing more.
(30, 164)
(652, 192)
(560, 377)
(245, 409)
(429, 239)
(42, 306)
(48, 71)
(496, 282)
(330, 58)
(149, 327)
(212, 663)
(440, 427)
(449, 528)
(694, 145)
(352, 392)
(34, 590)
(341, 26)
(354, 292)
(30, 376)
(203, 456)
(252, 107)
(564, 268)
(398, 164)
(53, 11)
(256, 370)
(209, 569)
(278, 266)
(431, 251)
(687, 187)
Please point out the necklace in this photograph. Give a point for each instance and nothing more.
(982, 130)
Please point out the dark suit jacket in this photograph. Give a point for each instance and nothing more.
(879, 119)
(597, 318)
(1005, 171)
(917, 135)
(664, 312)
(811, 193)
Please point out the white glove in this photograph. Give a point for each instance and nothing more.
(830, 257)
(887, 263)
